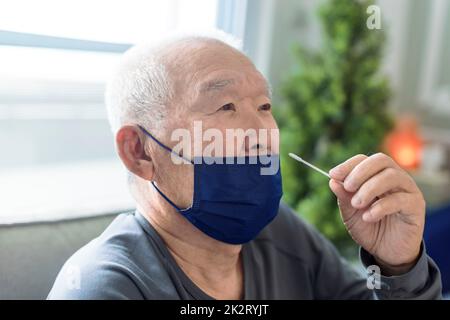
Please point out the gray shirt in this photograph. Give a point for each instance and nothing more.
(289, 259)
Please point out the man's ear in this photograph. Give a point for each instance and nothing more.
(130, 146)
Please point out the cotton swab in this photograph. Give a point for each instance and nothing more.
(296, 157)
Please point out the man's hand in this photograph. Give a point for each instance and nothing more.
(382, 209)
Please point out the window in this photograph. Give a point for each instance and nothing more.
(57, 153)
(435, 82)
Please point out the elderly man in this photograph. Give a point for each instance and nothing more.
(217, 230)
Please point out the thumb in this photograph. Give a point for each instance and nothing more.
(344, 197)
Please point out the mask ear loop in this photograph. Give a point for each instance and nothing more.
(163, 145)
(173, 152)
(167, 199)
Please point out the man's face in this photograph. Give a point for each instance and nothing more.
(216, 88)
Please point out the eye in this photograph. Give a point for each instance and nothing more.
(228, 107)
(265, 107)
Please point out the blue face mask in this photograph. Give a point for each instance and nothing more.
(232, 201)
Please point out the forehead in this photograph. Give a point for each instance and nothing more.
(209, 68)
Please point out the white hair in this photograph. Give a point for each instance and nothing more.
(141, 88)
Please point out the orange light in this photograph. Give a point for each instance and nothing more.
(404, 144)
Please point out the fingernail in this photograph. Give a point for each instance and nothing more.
(348, 185)
(356, 201)
(366, 216)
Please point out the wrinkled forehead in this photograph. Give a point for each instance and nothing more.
(209, 67)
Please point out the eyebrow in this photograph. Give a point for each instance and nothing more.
(220, 84)
(217, 84)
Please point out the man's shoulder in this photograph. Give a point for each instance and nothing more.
(108, 267)
(116, 242)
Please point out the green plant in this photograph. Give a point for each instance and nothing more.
(333, 107)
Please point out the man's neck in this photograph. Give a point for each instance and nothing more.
(214, 266)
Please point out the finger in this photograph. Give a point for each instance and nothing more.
(344, 198)
(341, 171)
(388, 180)
(366, 169)
(406, 204)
